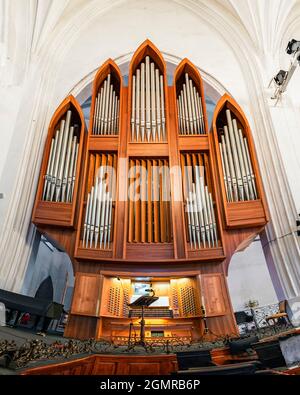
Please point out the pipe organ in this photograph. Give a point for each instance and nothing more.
(149, 192)
(148, 121)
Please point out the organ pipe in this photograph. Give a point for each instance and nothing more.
(99, 210)
(200, 214)
(149, 218)
(60, 175)
(106, 110)
(239, 178)
(189, 109)
(148, 104)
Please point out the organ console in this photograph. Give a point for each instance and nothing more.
(148, 193)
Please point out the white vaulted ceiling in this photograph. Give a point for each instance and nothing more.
(35, 30)
(35, 24)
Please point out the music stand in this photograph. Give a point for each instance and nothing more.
(142, 302)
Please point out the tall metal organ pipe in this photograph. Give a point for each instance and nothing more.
(99, 209)
(60, 175)
(148, 122)
(189, 109)
(199, 207)
(106, 111)
(239, 178)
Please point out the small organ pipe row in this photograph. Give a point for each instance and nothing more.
(189, 108)
(200, 215)
(61, 168)
(148, 122)
(149, 201)
(238, 173)
(107, 109)
(98, 218)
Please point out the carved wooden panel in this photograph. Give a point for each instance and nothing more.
(213, 291)
(110, 365)
(86, 296)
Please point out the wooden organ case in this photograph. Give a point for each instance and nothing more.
(149, 192)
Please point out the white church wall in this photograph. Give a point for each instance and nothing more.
(249, 278)
(56, 264)
(287, 125)
(8, 114)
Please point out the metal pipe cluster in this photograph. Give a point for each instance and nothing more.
(62, 163)
(148, 122)
(238, 173)
(201, 221)
(97, 227)
(107, 109)
(189, 108)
